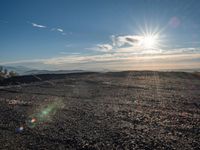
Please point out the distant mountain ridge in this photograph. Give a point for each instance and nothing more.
(51, 71)
(21, 70)
(18, 69)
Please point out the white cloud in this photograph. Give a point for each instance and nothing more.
(126, 43)
(119, 59)
(135, 44)
(60, 30)
(124, 61)
(57, 29)
(22, 61)
(131, 40)
(102, 48)
(106, 57)
(38, 25)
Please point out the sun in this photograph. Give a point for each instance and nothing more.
(149, 41)
(151, 37)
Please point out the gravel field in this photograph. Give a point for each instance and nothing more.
(116, 110)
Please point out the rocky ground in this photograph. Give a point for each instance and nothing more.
(124, 110)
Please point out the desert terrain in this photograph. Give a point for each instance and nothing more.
(114, 110)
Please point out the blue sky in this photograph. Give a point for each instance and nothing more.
(103, 34)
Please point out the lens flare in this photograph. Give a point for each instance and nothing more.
(45, 113)
(33, 120)
(20, 129)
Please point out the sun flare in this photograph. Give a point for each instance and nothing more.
(151, 37)
(150, 41)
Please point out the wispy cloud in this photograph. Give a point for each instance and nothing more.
(101, 48)
(22, 61)
(104, 47)
(124, 61)
(38, 25)
(131, 40)
(120, 57)
(122, 43)
(60, 30)
(119, 60)
(57, 29)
